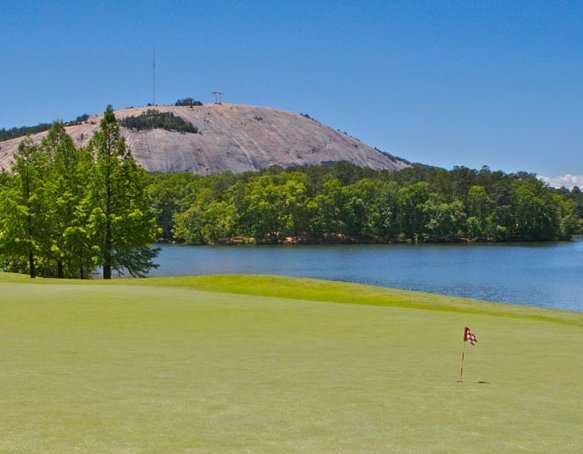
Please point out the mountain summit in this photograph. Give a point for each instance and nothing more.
(231, 137)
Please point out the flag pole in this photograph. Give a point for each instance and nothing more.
(461, 379)
(472, 339)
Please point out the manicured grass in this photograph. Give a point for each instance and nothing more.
(264, 364)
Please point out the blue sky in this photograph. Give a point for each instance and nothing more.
(441, 82)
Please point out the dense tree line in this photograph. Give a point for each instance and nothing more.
(342, 202)
(154, 119)
(64, 211)
(576, 195)
(13, 133)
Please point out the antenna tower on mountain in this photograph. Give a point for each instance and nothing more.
(218, 95)
(154, 76)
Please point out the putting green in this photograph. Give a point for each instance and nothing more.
(262, 364)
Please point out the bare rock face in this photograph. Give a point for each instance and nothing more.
(238, 138)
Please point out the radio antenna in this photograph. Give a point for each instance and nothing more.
(218, 95)
(154, 76)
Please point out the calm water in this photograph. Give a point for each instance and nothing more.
(546, 275)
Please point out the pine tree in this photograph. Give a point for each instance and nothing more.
(22, 214)
(68, 203)
(124, 221)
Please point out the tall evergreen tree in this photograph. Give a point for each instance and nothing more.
(22, 214)
(124, 221)
(67, 195)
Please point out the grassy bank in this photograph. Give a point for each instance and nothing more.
(265, 364)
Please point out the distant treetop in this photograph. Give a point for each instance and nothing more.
(189, 102)
(13, 133)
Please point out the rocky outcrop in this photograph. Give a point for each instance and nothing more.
(231, 137)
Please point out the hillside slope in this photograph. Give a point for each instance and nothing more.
(238, 138)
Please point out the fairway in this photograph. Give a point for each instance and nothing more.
(275, 365)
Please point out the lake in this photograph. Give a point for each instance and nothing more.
(539, 274)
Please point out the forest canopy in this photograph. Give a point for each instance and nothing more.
(344, 203)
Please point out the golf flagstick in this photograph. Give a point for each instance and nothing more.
(473, 340)
(461, 379)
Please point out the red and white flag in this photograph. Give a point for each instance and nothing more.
(470, 337)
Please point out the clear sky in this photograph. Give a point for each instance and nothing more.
(496, 83)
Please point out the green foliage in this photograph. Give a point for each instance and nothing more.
(125, 223)
(23, 214)
(13, 133)
(81, 119)
(188, 102)
(170, 194)
(342, 202)
(66, 211)
(206, 223)
(445, 220)
(70, 235)
(154, 119)
(576, 197)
